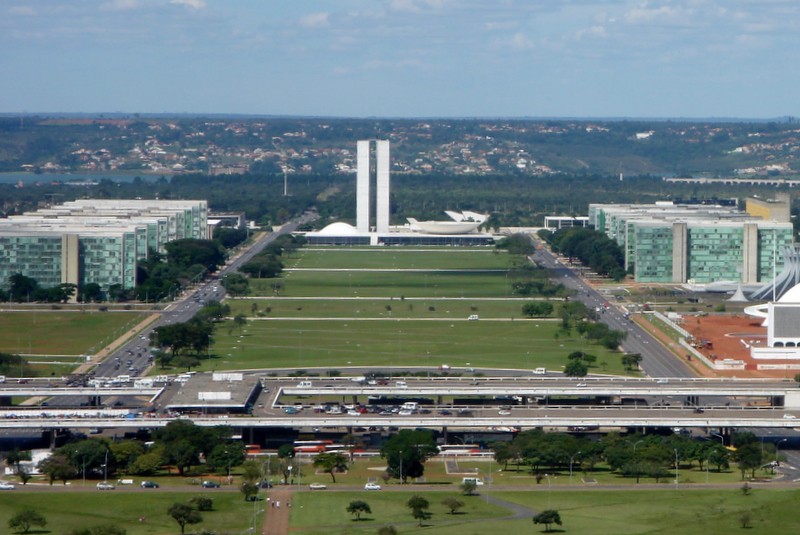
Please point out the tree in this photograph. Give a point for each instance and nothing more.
(537, 309)
(631, 361)
(184, 514)
(236, 284)
(249, 489)
(576, 368)
(468, 487)
(407, 451)
(454, 504)
(749, 457)
(202, 503)
(57, 467)
(21, 287)
(331, 462)
(357, 507)
(24, 520)
(419, 508)
(548, 517)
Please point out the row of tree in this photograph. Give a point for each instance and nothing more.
(633, 455)
(593, 248)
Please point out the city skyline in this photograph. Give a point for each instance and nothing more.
(402, 58)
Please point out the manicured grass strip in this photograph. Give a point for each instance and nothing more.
(66, 510)
(60, 332)
(385, 284)
(422, 308)
(312, 343)
(400, 258)
(601, 512)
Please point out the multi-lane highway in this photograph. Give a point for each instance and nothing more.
(657, 361)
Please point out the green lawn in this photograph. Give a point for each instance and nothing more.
(400, 258)
(60, 332)
(387, 284)
(67, 510)
(380, 307)
(608, 512)
(398, 343)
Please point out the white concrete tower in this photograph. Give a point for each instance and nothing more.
(364, 181)
(362, 187)
(382, 190)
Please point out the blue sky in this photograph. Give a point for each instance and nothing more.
(403, 58)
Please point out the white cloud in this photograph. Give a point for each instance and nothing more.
(520, 41)
(315, 20)
(195, 4)
(120, 5)
(22, 10)
(596, 31)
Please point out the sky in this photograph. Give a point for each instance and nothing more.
(403, 58)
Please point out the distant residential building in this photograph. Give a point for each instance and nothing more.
(672, 243)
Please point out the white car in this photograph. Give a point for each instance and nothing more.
(5, 485)
(317, 486)
(372, 486)
(105, 485)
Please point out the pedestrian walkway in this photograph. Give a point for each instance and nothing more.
(278, 508)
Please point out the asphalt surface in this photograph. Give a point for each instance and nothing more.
(657, 361)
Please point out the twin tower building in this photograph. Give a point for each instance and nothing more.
(372, 175)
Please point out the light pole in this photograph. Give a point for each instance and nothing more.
(401, 467)
(720, 437)
(549, 490)
(777, 447)
(105, 468)
(571, 457)
(635, 461)
(676, 468)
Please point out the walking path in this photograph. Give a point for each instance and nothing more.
(279, 506)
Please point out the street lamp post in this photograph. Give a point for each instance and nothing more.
(636, 462)
(777, 447)
(571, 458)
(549, 490)
(105, 468)
(676, 468)
(401, 467)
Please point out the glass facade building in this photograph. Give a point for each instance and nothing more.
(680, 243)
(94, 240)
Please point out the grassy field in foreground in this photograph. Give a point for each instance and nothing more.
(333, 343)
(67, 510)
(602, 512)
(58, 332)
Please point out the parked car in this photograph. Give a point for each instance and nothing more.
(210, 484)
(149, 485)
(372, 486)
(105, 485)
(5, 485)
(266, 485)
(317, 486)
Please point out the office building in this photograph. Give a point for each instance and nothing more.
(94, 240)
(671, 243)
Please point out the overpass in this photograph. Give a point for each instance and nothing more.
(784, 393)
(542, 417)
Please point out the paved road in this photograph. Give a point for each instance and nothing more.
(658, 361)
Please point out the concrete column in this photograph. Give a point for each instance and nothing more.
(679, 252)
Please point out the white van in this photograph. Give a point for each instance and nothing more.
(304, 384)
(540, 371)
(476, 480)
(401, 384)
(473, 317)
(410, 406)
